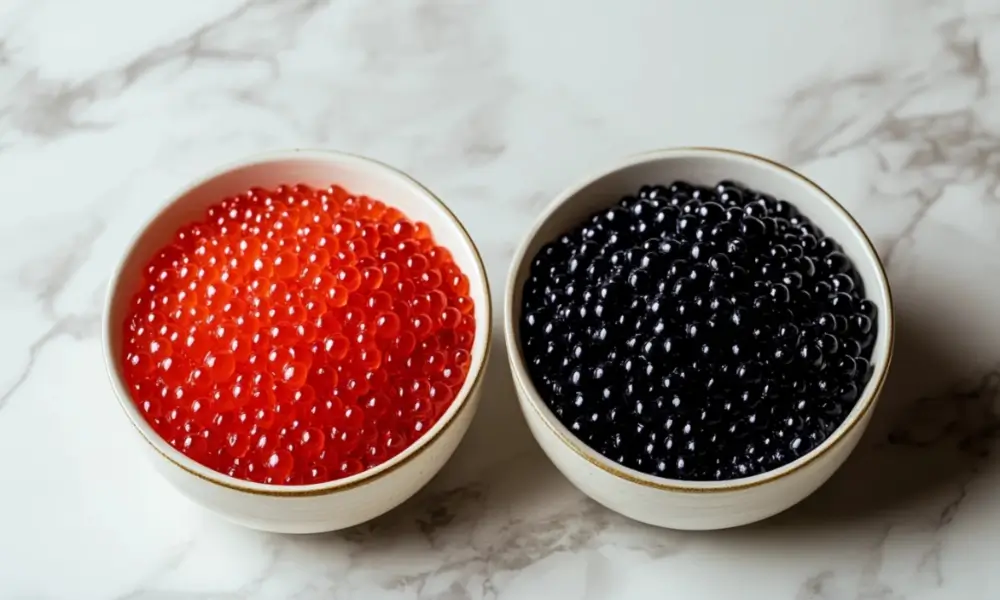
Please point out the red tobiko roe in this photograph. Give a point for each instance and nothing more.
(298, 336)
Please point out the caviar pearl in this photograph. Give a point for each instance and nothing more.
(298, 335)
(698, 333)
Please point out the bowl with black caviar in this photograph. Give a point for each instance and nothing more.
(697, 336)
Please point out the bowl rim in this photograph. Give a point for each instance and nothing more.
(531, 397)
(460, 403)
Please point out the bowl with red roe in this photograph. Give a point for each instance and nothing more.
(300, 339)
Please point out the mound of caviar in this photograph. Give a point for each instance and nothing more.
(699, 333)
(298, 336)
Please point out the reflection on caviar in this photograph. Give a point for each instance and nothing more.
(298, 335)
(699, 333)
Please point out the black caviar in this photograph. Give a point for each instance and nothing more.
(698, 332)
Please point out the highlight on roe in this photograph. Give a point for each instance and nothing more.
(298, 336)
(698, 333)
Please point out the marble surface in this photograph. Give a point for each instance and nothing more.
(108, 106)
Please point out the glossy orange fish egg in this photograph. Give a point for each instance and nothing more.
(297, 336)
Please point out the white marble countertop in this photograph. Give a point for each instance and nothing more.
(108, 106)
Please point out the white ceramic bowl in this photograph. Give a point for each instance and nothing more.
(349, 501)
(693, 504)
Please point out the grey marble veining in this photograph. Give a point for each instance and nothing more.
(110, 106)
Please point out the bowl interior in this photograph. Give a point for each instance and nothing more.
(704, 167)
(319, 169)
